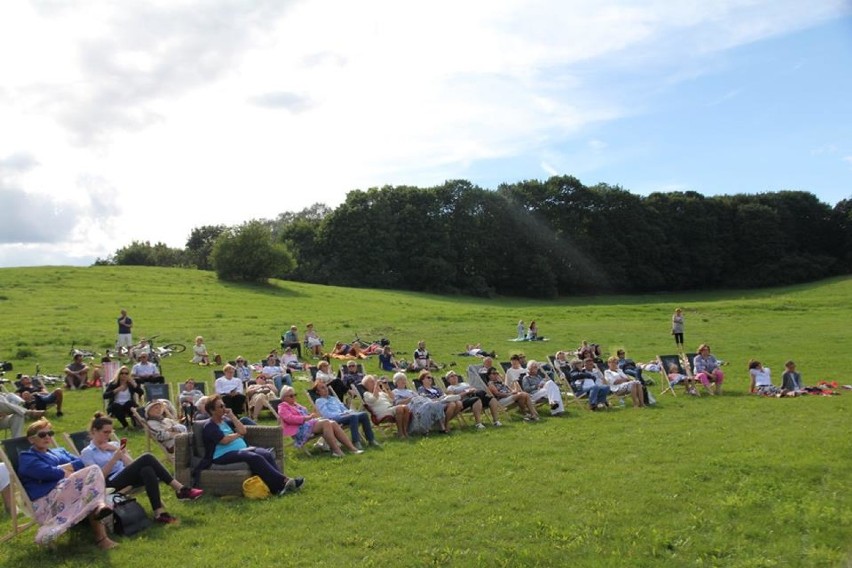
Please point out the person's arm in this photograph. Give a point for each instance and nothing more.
(33, 466)
(291, 415)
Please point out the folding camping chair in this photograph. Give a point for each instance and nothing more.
(684, 367)
(21, 504)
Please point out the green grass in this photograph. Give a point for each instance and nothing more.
(716, 481)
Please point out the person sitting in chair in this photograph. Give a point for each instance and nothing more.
(231, 390)
(120, 470)
(290, 362)
(301, 424)
(224, 444)
(330, 407)
(313, 341)
(707, 369)
(470, 396)
(452, 408)
(36, 397)
(120, 394)
(622, 384)
(259, 395)
(77, 373)
(506, 395)
(588, 380)
(146, 372)
(290, 339)
(378, 398)
(539, 386)
(58, 482)
(425, 413)
(163, 426)
(188, 398)
(675, 377)
(275, 373)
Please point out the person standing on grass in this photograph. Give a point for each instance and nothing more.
(125, 335)
(677, 329)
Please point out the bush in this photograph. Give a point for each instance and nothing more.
(248, 253)
(25, 353)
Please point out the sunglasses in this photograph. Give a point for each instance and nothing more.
(45, 434)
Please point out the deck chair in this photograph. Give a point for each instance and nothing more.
(476, 377)
(21, 504)
(683, 367)
(79, 440)
(151, 436)
(157, 391)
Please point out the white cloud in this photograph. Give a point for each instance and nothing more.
(188, 113)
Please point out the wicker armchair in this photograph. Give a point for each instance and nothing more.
(223, 479)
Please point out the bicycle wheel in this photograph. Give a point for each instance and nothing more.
(174, 347)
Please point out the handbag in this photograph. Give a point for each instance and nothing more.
(128, 516)
(255, 488)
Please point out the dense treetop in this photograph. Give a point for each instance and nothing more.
(533, 238)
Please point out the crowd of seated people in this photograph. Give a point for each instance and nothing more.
(428, 408)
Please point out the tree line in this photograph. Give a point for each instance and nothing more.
(533, 238)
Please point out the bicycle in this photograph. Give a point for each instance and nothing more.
(86, 353)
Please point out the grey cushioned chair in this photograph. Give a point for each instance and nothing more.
(223, 479)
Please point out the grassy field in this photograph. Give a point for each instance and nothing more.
(716, 481)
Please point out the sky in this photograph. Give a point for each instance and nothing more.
(123, 121)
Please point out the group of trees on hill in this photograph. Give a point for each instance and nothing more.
(533, 238)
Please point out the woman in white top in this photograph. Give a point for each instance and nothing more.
(761, 379)
(622, 384)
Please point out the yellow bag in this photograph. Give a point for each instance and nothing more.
(255, 488)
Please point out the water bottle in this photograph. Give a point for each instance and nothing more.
(621, 403)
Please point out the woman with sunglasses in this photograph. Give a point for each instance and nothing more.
(62, 489)
(120, 470)
(302, 425)
(121, 393)
(452, 407)
(224, 444)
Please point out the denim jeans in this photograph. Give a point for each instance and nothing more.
(281, 380)
(352, 420)
(597, 394)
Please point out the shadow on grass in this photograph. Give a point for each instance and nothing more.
(274, 288)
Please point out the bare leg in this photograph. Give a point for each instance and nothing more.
(477, 411)
(101, 539)
(323, 427)
(494, 407)
(342, 437)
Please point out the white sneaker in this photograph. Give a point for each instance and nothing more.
(497, 424)
(480, 426)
